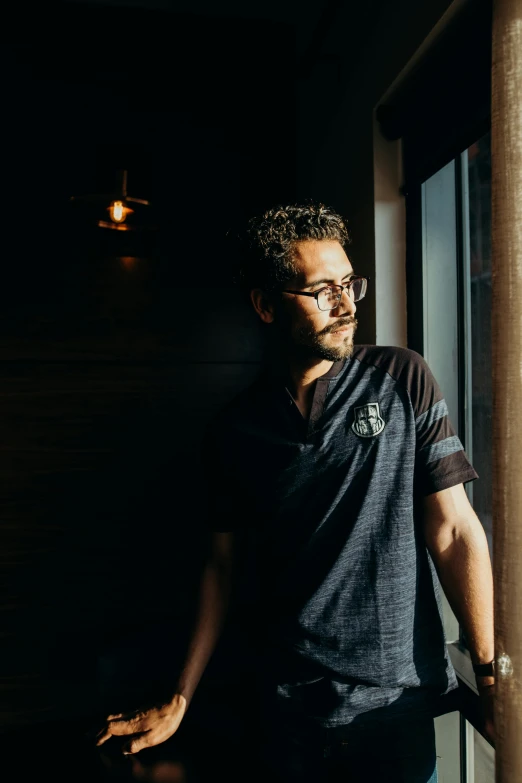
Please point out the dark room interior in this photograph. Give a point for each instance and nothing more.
(202, 114)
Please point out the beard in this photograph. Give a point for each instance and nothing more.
(311, 343)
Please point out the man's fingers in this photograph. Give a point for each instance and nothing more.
(137, 744)
(124, 715)
(103, 737)
(119, 728)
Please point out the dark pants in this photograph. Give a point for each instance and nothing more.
(395, 751)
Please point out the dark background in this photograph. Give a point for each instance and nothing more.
(108, 376)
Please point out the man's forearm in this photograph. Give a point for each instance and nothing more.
(465, 573)
(458, 545)
(214, 599)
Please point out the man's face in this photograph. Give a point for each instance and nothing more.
(325, 334)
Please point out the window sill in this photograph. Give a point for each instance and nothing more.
(461, 661)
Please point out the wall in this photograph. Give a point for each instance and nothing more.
(109, 372)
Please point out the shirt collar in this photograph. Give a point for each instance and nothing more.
(277, 373)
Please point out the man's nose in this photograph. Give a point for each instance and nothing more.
(346, 303)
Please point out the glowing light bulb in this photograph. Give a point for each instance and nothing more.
(118, 211)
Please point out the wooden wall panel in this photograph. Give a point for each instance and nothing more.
(100, 529)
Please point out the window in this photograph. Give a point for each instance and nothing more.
(478, 348)
(450, 283)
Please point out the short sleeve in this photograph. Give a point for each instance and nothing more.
(440, 460)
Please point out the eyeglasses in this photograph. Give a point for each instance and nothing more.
(328, 298)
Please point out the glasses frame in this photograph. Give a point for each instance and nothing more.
(343, 288)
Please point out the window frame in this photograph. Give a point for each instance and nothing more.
(469, 700)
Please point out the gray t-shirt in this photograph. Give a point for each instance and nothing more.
(337, 580)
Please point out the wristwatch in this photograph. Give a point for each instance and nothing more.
(484, 669)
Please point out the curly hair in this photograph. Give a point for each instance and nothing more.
(266, 254)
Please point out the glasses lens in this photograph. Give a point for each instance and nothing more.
(329, 298)
(358, 289)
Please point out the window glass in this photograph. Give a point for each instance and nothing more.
(484, 760)
(479, 175)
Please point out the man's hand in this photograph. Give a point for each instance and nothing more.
(144, 727)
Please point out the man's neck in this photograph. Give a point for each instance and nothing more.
(304, 376)
(302, 382)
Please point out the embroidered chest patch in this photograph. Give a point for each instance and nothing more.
(367, 420)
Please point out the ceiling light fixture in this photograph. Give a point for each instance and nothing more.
(117, 204)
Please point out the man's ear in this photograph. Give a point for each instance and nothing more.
(262, 305)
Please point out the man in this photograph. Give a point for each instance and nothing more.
(338, 479)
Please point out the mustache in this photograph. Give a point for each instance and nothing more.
(350, 321)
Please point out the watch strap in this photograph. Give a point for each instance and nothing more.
(484, 669)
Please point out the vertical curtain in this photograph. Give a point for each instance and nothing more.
(506, 160)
